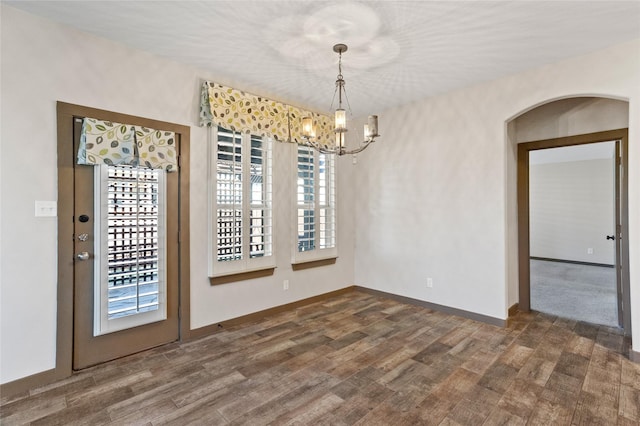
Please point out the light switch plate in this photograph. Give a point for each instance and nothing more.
(46, 209)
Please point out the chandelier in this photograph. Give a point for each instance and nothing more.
(340, 128)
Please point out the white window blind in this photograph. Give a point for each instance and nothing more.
(306, 189)
(229, 196)
(327, 200)
(130, 245)
(315, 206)
(242, 232)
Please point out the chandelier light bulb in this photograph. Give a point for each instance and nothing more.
(307, 127)
(341, 120)
(372, 127)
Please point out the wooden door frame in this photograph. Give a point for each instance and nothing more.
(524, 302)
(66, 157)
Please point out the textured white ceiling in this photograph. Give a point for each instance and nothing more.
(399, 51)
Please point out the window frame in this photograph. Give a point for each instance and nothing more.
(246, 263)
(317, 253)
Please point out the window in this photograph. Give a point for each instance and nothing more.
(242, 213)
(130, 281)
(315, 210)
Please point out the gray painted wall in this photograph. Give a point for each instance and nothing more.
(572, 210)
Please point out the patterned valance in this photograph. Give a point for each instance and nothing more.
(107, 142)
(246, 113)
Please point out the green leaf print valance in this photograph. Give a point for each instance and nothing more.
(107, 142)
(246, 113)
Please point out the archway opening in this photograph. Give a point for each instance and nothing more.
(564, 122)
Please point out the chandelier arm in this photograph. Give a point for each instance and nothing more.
(321, 149)
(312, 144)
(341, 151)
(361, 148)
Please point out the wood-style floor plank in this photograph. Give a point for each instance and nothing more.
(356, 359)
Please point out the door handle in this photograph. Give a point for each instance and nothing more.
(83, 255)
(611, 237)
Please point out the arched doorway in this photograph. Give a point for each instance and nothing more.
(571, 122)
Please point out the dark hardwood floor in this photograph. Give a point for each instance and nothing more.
(357, 359)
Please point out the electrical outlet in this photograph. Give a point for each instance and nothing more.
(285, 285)
(590, 250)
(430, 282)
(46, 208)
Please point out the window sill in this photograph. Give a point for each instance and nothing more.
(313, 263)
(241, 276)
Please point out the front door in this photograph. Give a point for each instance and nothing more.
(126, 260)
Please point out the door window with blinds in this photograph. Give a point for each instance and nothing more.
(315, 206)
(241, 217)
(130, 284)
